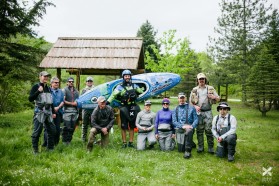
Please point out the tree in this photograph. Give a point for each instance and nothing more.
(262, 84)
(20, 51)
(272, 43)
(241, 27)
(148, 34)
(176, 56)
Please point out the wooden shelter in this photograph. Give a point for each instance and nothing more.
(95, 56)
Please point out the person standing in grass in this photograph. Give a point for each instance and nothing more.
(102, 120)
(202, 97)
(164, 129)
(185, 120)
(145, 124)
(224, 130)
(44, 112)
(86, 113)
(58, 102)
(70, 111)
(127, 93)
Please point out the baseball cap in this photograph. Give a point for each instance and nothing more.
(166, 100)
(70, 79)
(181, 94)
(101, 99)
(147, 102)
(201, 75)
(89, 78)
(44, 73)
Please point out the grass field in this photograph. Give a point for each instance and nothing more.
(257, 151)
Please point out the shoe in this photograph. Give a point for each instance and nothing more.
(230, 158)
(187, 155)
(194, 145)
(89, 147)
(151, 147)
(211, 150)
(124, 145)
(200, 149)
(130, 144)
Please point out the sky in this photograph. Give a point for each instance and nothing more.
(194, 19)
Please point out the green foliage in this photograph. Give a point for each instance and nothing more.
(71, 165)
(263, 81)
(20, 52)
(19, 17)
(241, 27)
(177, 56)
(148, 34)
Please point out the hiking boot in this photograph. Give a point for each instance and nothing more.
(187, 155)
(151, 147)
(200, 149)
(194, 145)
(130, 144)
(230, 158)
(124, 145)
(89, 147)
(211, 150)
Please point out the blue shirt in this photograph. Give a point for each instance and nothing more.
(180, 120)
(58, 97)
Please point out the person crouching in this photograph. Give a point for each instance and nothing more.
(102, 120)
(145, 123)
(223, 129)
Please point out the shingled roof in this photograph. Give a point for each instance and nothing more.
(96, 55)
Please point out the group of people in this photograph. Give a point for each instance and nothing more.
(54, 106)
(168, 127)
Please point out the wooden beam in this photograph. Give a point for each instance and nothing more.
(103, 71)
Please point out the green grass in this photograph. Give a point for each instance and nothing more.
(257, 147)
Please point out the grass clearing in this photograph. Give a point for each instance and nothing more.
(257, 148)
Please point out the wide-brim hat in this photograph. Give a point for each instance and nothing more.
(223, 105)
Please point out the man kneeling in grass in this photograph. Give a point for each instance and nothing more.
(223, 129)
(102, 120)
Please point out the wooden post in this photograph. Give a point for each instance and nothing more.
(78, 80)
(58, 74)
(227, 94)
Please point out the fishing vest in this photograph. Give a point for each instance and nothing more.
(44, 100)
(70, 96)
(205, 106)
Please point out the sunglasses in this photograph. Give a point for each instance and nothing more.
(55, 82)
(202, 79)
(222, 108)
(165, 103)
(90, 81)
(70, 82)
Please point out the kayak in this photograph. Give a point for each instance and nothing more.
(153, 84)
